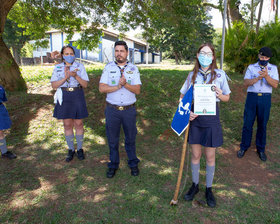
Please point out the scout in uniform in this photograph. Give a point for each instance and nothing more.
(205, 130)
(121, 81)
(70, 78)
(260, 78)
(5, 123)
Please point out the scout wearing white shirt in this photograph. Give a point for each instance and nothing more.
(260, 78)
(69, 78)
(111, 76)
(120, 80)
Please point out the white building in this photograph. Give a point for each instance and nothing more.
(105, 52)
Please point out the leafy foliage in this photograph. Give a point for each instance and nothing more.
(242, 45)
(177, 26)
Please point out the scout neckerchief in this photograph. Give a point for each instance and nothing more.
(122, 69)
(204, 74)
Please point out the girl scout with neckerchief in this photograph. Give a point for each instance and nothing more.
(5, 123)
(70, 78)
(205, 130)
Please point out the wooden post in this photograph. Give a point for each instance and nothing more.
(174, 201)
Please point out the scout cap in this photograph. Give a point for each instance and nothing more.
(265, 51)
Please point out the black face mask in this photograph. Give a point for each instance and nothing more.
(263, 62)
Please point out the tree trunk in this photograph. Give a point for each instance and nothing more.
(234, 11)
(10, 76)
(252, 14)
(259, 17)
(176, 58)
(16, 54)
(228, 19)
(276, 11)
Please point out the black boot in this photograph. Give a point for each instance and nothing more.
(211, 201)
(70, 155)
(194, 189)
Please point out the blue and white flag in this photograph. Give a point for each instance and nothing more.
(181, 118)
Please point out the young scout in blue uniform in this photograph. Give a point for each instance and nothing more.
(5, 123)
(205, 130)
(260, 78)
(70, 78)
(121, 81)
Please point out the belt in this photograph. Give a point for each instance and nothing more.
(120, 107)
(260, 94)
(0, 103)
(71, 89)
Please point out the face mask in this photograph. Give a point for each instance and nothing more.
(263, 62)
(70, 59)
(204, 61)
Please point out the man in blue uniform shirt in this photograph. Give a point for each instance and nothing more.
(260, 78)
(121, 81)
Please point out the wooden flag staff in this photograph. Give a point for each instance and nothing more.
(174, 201)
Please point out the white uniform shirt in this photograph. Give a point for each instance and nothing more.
(261, 86)
(58, 74)
(220, 81)
(111, 76)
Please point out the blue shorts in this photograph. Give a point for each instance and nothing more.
(206, 130)
(5, 121)
(73, 106)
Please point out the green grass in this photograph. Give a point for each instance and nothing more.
(39, 187)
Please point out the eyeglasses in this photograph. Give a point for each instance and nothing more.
(208, 54)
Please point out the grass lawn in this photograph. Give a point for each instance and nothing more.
(40, 187)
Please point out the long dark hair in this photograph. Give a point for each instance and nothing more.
(213, 65)
(64, 47)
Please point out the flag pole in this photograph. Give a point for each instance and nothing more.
(174, 201)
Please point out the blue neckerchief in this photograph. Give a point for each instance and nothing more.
(121, 69)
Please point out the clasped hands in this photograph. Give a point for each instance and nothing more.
(69, 73)
(263, 74)
(122, 81)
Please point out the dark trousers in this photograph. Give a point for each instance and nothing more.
(114, 120)
(255, 106)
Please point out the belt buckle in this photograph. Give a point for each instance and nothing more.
(70, 89)
(259, 94)
(121, 108)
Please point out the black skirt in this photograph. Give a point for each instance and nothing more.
(73, 106)
(206, 130)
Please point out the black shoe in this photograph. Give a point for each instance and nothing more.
(134, 171)
(80, 154)
(194, 189)
(210, 199)
(241, 153)
(262, 156)
(9, 155)
(111, 172)
(70, 155)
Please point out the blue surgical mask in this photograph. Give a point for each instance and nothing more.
(69, 58)
(204, 60)
(263, 62)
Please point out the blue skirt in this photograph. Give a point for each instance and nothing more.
(73, 106)
(206, 130)
(5, 121)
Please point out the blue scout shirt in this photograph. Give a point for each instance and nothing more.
(3, 97)
(58, 74)
(261, 86)
(220, 81)
(111, 76)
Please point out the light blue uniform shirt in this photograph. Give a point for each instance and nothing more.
(58, 74)
(220, 81)
(261, 86)
(111, 76)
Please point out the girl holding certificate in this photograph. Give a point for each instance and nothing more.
(205, 130)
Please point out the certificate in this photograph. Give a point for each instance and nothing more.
(205, 99)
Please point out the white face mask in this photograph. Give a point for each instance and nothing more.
(204, 60)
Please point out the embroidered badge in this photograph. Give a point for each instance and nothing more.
(113, 71)
(129, 72)
(218, 75)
